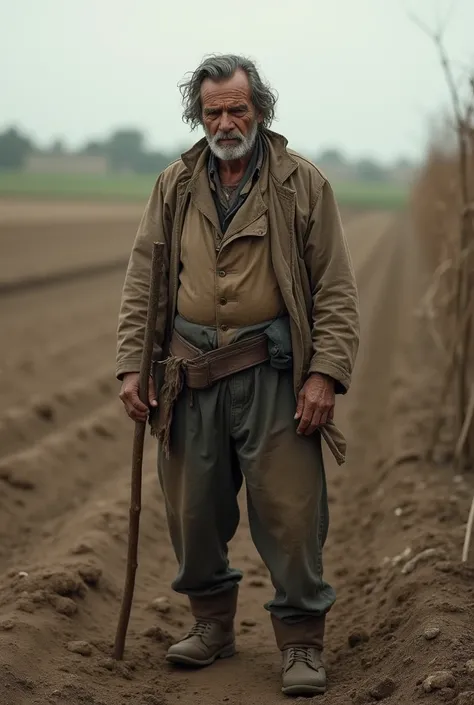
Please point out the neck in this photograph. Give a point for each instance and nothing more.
(231, 171)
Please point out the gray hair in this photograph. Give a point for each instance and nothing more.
(219, 67)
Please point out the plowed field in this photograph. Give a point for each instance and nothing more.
(405, 603)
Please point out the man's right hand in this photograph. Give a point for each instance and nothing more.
(131, 400)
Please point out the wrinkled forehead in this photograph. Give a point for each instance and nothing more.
(226, 92)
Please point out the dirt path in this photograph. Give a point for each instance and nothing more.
(64, 468)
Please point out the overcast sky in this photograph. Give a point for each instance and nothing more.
(356, 74)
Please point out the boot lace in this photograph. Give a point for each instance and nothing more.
(200, 629)
(299, 654)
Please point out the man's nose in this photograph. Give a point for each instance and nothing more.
(226, 123)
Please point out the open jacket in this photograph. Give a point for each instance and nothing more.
(309, 251)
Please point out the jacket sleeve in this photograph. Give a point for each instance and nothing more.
(335, 314)
(155, 226)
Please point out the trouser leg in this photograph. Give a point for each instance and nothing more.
(200, 482)
(287, 504)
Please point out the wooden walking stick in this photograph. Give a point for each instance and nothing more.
(137, 454)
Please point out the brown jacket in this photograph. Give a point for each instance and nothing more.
(309, 253)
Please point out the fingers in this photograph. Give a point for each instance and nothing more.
(135, 408)
(300, 405)
(324, 417)
(131, 401)
(319, 419)
(305, 416)
(312, 416)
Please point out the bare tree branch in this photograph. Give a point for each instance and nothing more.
(450, 81)
(468, 534)
(449, 14)
(437, 38)
(459, 267)
(466, 426)
(421, 25)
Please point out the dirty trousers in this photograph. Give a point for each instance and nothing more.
(243, 427)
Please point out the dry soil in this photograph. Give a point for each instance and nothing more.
(401, 629)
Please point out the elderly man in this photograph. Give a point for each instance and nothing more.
(257, 332)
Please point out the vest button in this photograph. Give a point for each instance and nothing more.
(222, 301)
(222, 273)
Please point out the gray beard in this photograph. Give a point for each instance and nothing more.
(239, 151)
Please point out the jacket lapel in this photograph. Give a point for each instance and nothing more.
(201, 197)
(249, 214)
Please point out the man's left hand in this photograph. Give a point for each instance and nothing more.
(315, 403)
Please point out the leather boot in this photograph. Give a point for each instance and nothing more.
(212, 635)
(301, 644)
(303, 672)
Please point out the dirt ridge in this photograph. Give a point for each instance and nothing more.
(34, 282)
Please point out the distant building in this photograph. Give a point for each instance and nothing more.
(66, 164)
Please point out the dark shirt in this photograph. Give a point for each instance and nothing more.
(228, 201)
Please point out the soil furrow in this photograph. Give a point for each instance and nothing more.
(50, 478)
(41, 415)
(53, 336)
(43, 281)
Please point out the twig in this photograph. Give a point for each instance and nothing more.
(437, 38)
(468, 535)
(449, 14)
(453, 355)
(462, 283)
(466, 426)
(137, 455)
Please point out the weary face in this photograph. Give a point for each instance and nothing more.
(229, 118)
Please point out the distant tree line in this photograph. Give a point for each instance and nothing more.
(126, 150)
(14, 149)
(365, 169)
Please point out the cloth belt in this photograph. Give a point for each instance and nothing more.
(202, 370)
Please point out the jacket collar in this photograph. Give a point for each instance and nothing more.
(281, 164)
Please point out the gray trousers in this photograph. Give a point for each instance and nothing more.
(243, 427)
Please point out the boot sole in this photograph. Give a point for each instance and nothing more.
(182, 660)
(304, 690)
